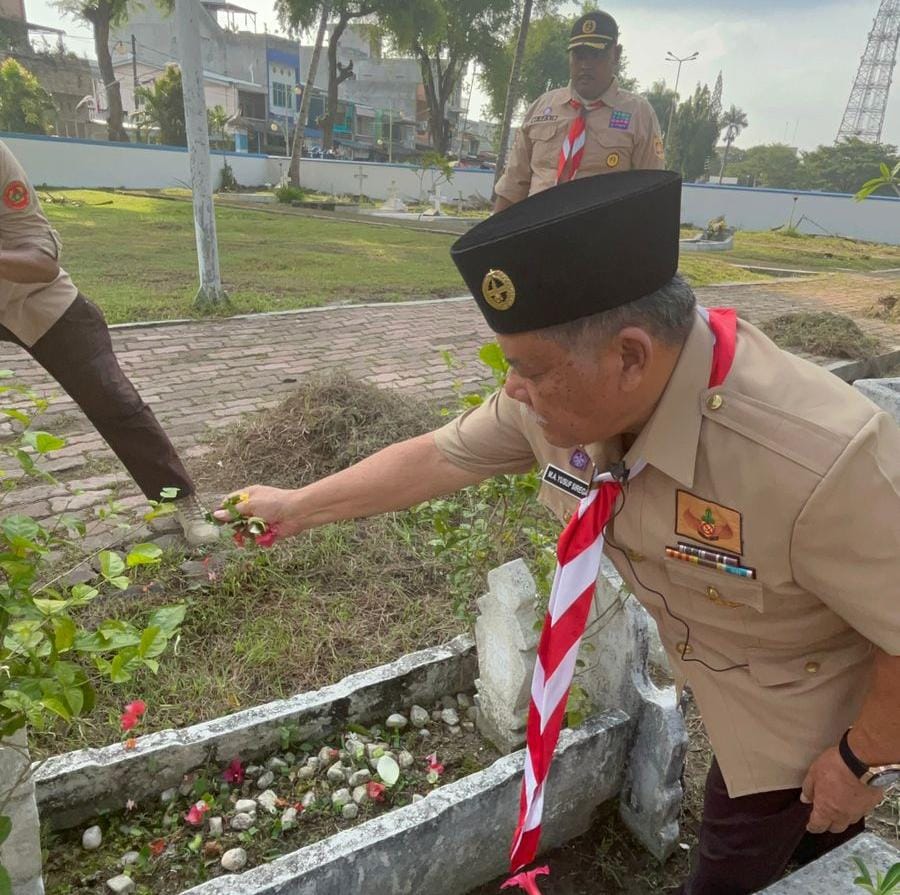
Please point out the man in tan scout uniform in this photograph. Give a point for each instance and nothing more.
(41, 310)
(759, 520)
(608, 129)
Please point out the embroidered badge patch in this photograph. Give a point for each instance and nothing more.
(579, 459)
(559, 478)
(620, 120)
(16, 195)
(708, 522)
(612, 160)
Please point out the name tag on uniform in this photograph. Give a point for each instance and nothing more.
(565, 481)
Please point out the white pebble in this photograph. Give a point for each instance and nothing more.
(265, 781)
(463, 701)
(418, 716)
(289, 819)
(130, 857)
(450, 717)
(341, 798)
(241, 822)
(167, 796)
(360, 795)
(91, 838)
(215, 827)
(245, 806)
(406, 760)
(337, 773)
(234, 859)
(121, 884)
(396, 722)
(350, 811)
(359, 777)
(308, 799)
(267, 800)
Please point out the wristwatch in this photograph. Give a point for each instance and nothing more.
(881, 776)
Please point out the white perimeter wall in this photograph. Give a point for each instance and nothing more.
(82, 163)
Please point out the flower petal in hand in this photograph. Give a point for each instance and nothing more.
(527, 880)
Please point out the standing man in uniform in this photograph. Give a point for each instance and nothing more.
(43, 312)
(755, 516)
(590, 127)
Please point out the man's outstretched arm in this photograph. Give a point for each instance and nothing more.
(395, 478)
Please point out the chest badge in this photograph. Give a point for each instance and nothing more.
(612, 160)
(565, 481)
(708, 522)
(579, 459)
(619, 120)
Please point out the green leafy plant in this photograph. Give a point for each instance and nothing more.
(287, 194)
(883, 884)
(888, 176)
(50, 659)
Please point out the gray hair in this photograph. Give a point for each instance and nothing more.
(666, 314)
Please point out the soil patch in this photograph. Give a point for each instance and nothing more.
(820, 333)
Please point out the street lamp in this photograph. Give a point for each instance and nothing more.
(671, 57)
(274, 126)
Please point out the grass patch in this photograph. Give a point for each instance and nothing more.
(702, 270)
(818, 253)
(821, 333)
(135, 257)
(263, 625)
(885, 307)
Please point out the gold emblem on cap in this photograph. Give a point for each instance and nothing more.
(498, 290)
(589, 26)
(612, 160)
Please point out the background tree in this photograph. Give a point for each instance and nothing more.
(513, 88)
(842, 167)
(774, 165)
(444, 36)
(733, 121)
(661, 98)
(102, 15)
(164, 107)
(217, 119)
(25, 107)
(695, 132)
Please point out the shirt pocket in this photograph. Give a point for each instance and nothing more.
(720, 588)
(560, 504)
(546, 143)
(608, 149)
(780, 666)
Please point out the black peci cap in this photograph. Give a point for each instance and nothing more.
(594, 29)
(577, 249)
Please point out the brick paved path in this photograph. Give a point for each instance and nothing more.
(203, 375)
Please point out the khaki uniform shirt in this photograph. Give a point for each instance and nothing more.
(28, 310)
(802, 476)
(621, 135)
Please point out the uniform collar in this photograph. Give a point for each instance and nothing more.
(609, 96)
(670, 438)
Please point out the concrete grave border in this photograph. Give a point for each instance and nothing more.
(78, 785)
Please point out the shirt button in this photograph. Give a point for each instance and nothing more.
(812, 667)
(683, 649)
(714, 402)
(713, 594)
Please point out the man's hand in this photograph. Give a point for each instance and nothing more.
(276, 505)
(837, 797)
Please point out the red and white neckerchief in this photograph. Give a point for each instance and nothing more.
(573, 146)
(578, 554)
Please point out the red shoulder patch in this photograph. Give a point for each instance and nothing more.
(16, 195)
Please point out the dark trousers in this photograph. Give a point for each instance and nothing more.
(746, 843)
(77, 352)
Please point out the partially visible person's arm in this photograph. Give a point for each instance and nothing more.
(395, 478)
(27, 265)
(515, 184)
(501, 203)
(648, 154)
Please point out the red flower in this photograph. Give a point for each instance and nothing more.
(157, 847)
(129, 721)
(195, 816)
(234, 773)
(527, 880)
(268, 537)
(375, 791)
(298, 807)
(433, 764)
(238, 538)
(136, 708)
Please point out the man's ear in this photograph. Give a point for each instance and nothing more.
(635, 350)
(617, 52)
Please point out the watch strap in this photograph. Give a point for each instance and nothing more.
(857, 767)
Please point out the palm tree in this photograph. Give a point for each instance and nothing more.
(512, 91)
(733, 122)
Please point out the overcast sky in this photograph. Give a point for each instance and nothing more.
(789, 64)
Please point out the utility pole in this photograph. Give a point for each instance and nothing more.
(391, 133)
(671, 57)
(188, 40)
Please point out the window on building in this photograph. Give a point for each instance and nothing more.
(280, 95)
(252, 105)
(365, 127)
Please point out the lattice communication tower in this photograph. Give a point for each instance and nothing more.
(864, 115)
